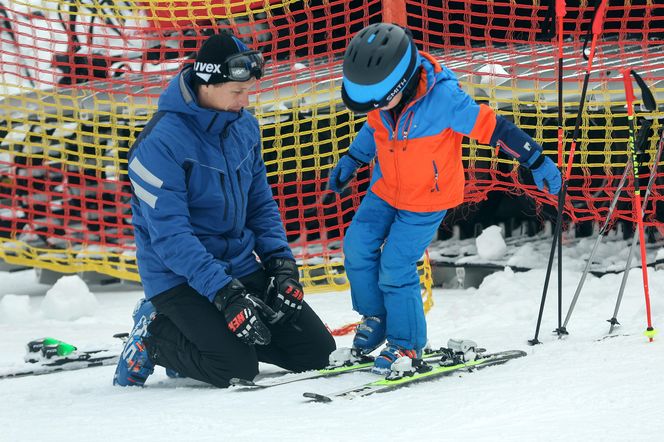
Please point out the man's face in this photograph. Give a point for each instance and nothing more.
(231, 96)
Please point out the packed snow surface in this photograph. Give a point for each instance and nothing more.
(585, 387)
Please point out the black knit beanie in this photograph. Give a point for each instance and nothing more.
(212, 55)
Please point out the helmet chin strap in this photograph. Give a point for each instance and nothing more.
(408, 92)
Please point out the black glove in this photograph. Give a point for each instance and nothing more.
(284, 291)
(241, 311)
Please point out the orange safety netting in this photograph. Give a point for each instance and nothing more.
(81, 78)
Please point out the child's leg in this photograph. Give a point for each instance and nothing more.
(362, 244)
(399, 282)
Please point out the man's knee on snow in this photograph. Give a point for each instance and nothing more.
(322, 356)
(315, 356)
(221, 372)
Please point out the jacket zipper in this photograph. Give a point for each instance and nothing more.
(242, 196)
(395, 150)
(395, 130)
(435, 177)
(395, 136)
(230, 181)
(223, 188)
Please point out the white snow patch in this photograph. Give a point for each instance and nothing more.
(660, 254)
(490, 243)
(493, 74)
(14, 308)
(523, 257)
(69, 299)
(565, 389)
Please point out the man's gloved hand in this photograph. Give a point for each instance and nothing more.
(343, 173)
(284, 291)
(241, 311)
(545, 170)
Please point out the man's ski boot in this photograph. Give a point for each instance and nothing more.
(396, 362)
(460, 351)
(174, 374)
(134, 365)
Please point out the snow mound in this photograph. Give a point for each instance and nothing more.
(490, 244)
(493, 74)
(14, 309)
(69, 299)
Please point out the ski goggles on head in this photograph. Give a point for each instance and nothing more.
(363, 108)
(243, 66)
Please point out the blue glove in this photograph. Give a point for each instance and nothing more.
(343, 173)
(545, 170)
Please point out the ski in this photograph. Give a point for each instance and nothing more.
(49, 355)
(75, 361)
(436, 371)
(288, 378)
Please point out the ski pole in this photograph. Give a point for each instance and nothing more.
(614, 321)
(600, 235)
(641, 139)
(596, 30)
(638, 210)
(560, 13)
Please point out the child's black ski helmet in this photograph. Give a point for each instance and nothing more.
(377, 65)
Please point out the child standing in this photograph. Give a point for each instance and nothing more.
(417, 116)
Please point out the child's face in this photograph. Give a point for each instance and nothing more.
(393, 102)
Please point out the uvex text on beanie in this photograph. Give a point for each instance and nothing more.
(208, 67)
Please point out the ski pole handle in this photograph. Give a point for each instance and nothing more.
(629, 91)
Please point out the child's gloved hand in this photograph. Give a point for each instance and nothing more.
(545, 171)
(343, 173)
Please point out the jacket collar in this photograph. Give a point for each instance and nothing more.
(210, 120)
(428, 75)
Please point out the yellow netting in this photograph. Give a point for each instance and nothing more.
(80, 79)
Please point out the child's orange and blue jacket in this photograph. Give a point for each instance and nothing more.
(419, 165)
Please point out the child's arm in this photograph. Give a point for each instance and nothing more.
(361, 152)
(481, 123)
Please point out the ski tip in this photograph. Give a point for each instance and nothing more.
(121, 335)
(317, 397)
(237, 382)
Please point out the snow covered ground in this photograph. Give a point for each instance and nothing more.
(581, 388)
